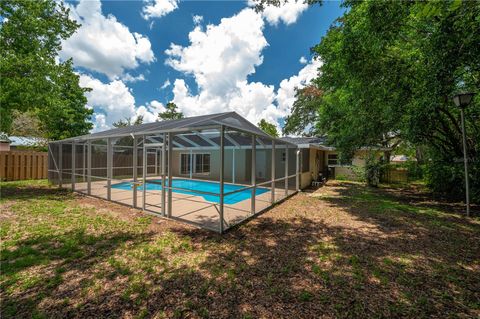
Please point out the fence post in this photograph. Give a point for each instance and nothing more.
(253, 173)
(60, 165)
(297, 179)
(144, 173)
(109, 168)
(164, 161)
(273, 173)
(89, 167)
(286, 170)
(170, 148)
(135, 171)
(74, 155)
(222, 168)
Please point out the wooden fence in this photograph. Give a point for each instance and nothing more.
(20, 165)
(395, 175)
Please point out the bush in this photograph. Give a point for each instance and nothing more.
(359, 173)
(373, 171)
(447, 179)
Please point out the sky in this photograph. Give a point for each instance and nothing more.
(205, 56)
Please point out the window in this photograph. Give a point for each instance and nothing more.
(202, 163)
(332, 159)
(184, 164)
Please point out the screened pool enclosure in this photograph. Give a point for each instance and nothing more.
(212, 171)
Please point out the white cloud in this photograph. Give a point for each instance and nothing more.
(150, 111)
(130, 78)
(254, 101)
(303, 60)
(286, 92)
(287, 12)
(103, 44)
(220, 60)
(197, 19)
(158, 8)
(165, 84)
(114, 101)
(223, 54)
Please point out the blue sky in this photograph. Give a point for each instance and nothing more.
(206, 56)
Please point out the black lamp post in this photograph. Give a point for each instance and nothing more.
(462, 100)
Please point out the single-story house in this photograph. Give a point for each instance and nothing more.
(212, 170)
(319, 160)
(8, 143)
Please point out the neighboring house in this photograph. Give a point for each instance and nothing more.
(4, 143)
(401, 159)
(8, 143)
(317, 159)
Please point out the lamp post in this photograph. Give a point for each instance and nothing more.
(462, 100)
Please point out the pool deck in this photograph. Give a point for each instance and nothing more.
(191, 209)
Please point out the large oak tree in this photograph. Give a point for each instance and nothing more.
(32, 78)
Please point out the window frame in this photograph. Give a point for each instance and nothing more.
(187, 172)
(202, 164)
(336, 163)
(195, 171)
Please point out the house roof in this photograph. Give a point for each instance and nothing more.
(401, 158)
(188, 126)
(4, 138)
(27, 141)
(308, 142)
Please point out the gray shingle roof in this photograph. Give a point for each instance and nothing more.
(229, 119)
(305, 140)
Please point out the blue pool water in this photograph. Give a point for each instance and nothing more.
(190, 187)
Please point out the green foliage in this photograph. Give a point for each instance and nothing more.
(304, 112)
(447, 177)
(341, 177)
(359, 172)
(31, 78)
(373, 171)
(389, 72)
(268, 128)
(170, 113)
(128, 122)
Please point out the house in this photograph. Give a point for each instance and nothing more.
(8, 143)
(401, 159)
(4, 143)
(318, 159)
(212, 171)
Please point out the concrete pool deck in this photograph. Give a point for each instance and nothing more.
(191, 209)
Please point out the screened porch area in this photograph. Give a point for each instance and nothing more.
(211, 171)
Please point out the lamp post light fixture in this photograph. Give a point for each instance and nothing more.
(462, 100)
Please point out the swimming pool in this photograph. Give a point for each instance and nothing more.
(190, 187)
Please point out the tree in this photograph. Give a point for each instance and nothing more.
(170, 113)
(128, 122)
(268, 128)
(389, 72)
(26, 124)
(304, 113)
(31, 78)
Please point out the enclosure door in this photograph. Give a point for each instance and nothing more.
(153, 185)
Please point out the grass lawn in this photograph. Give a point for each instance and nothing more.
(342, 251)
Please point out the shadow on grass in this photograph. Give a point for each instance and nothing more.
(34, 189)
(71, 252)
(358, 254)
